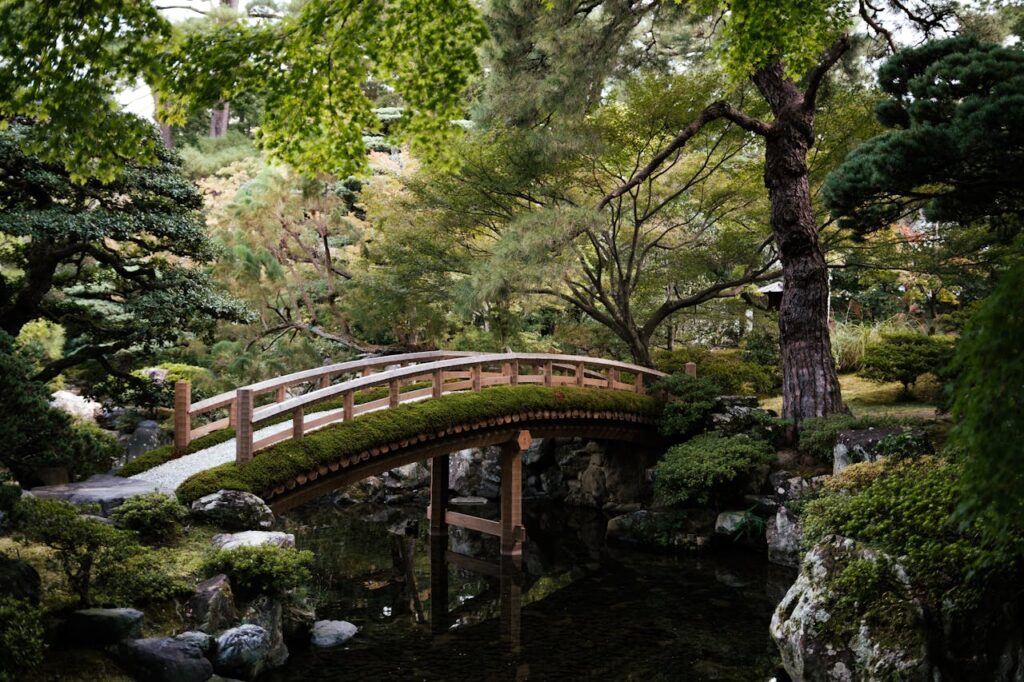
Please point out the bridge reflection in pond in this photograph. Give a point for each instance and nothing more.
(570, 608)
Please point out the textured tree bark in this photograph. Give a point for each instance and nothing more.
(810, 385)
(219, 119)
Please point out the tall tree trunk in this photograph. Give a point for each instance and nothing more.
(810, 384)
(219, 119)
(166, 136)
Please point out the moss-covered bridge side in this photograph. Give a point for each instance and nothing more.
(296, 470)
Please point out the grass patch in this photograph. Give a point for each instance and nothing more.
(284, 461)
(165, 453)
(869, 399)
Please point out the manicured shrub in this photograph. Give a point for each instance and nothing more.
(284, 461)
(80, 544)
(907, 509)
(263, 569)
(818, 436)
(711, 468)
(37, 436)
(724, 368)
(139, 575)
(850, 340)
(761, 347)
(904, 357)
(688, 406)
(156, 517)
(21, 638)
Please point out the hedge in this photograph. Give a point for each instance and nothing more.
(165, 453)
(286, 460)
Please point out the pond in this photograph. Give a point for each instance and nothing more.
(573, 608)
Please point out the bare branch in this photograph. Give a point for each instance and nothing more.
(827, 61)
(713, 112)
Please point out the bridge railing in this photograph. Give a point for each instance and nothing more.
(185, 410)
(422, 375)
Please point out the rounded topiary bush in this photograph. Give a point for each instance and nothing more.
(688, 406)
(710, 469)
(156, 517)
(905, 356)
(263, 569)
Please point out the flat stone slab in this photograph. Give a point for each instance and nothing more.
(106, 491)
(252, 538)
(467, 501)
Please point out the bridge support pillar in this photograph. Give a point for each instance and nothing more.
(512, 494)
(438, 509)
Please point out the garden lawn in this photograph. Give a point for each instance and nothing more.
(869, 399)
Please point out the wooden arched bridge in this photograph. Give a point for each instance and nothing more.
(579, 396)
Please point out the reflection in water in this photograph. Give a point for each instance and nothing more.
(570, 608)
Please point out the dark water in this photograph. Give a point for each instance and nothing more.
(572, 608)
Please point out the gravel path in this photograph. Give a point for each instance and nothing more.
(173, 473)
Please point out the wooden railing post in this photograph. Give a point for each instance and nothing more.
(548, 373)
(349, 406)
(393, 393)
(691, 369)
(513, 372)
(282, 393)
(580, 373)
(437, 383)
(232, 415)
(474, 375)
(613, 377)
(638, 383)
(243, 431)
(325, 381)
(512, 494)
(182, 418)
(298, 422)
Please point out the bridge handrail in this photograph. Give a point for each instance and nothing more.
(185, 409)
(439, 372)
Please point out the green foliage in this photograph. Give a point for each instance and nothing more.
(211, 154)
(115, 263)
(79, 543)
(284, 461)
(904, 357)
(906, 509)
(761, 347)
(10, 493)
(263, 569)
(156, 517)
(21, 638)
(724, 368)
(711, 468)
(139, 575)
(818, 436)
(40, 342)
(36, 435)
(309, 67)
(988, 407)
(147, 390)
(954, 146)
(851, 340)
(690, 401)
(61, 64)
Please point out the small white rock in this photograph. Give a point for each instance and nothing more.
(328, 634)
(252, 538)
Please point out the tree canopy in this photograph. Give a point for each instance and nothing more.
(117, 263)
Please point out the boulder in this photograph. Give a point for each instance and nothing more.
(783, 535)
(297, 620)
(266, 612)
(252, 538)
(146, 436)
(165, 659)
(102, 627)
(729, 523)
(858, 445)
(202, 640)
(818, 643)
(688, 531)
(77, 406)
(19, 580)
(242, 652)
(212, 606)
(106, 491)
(328, 634)
(233, 510)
